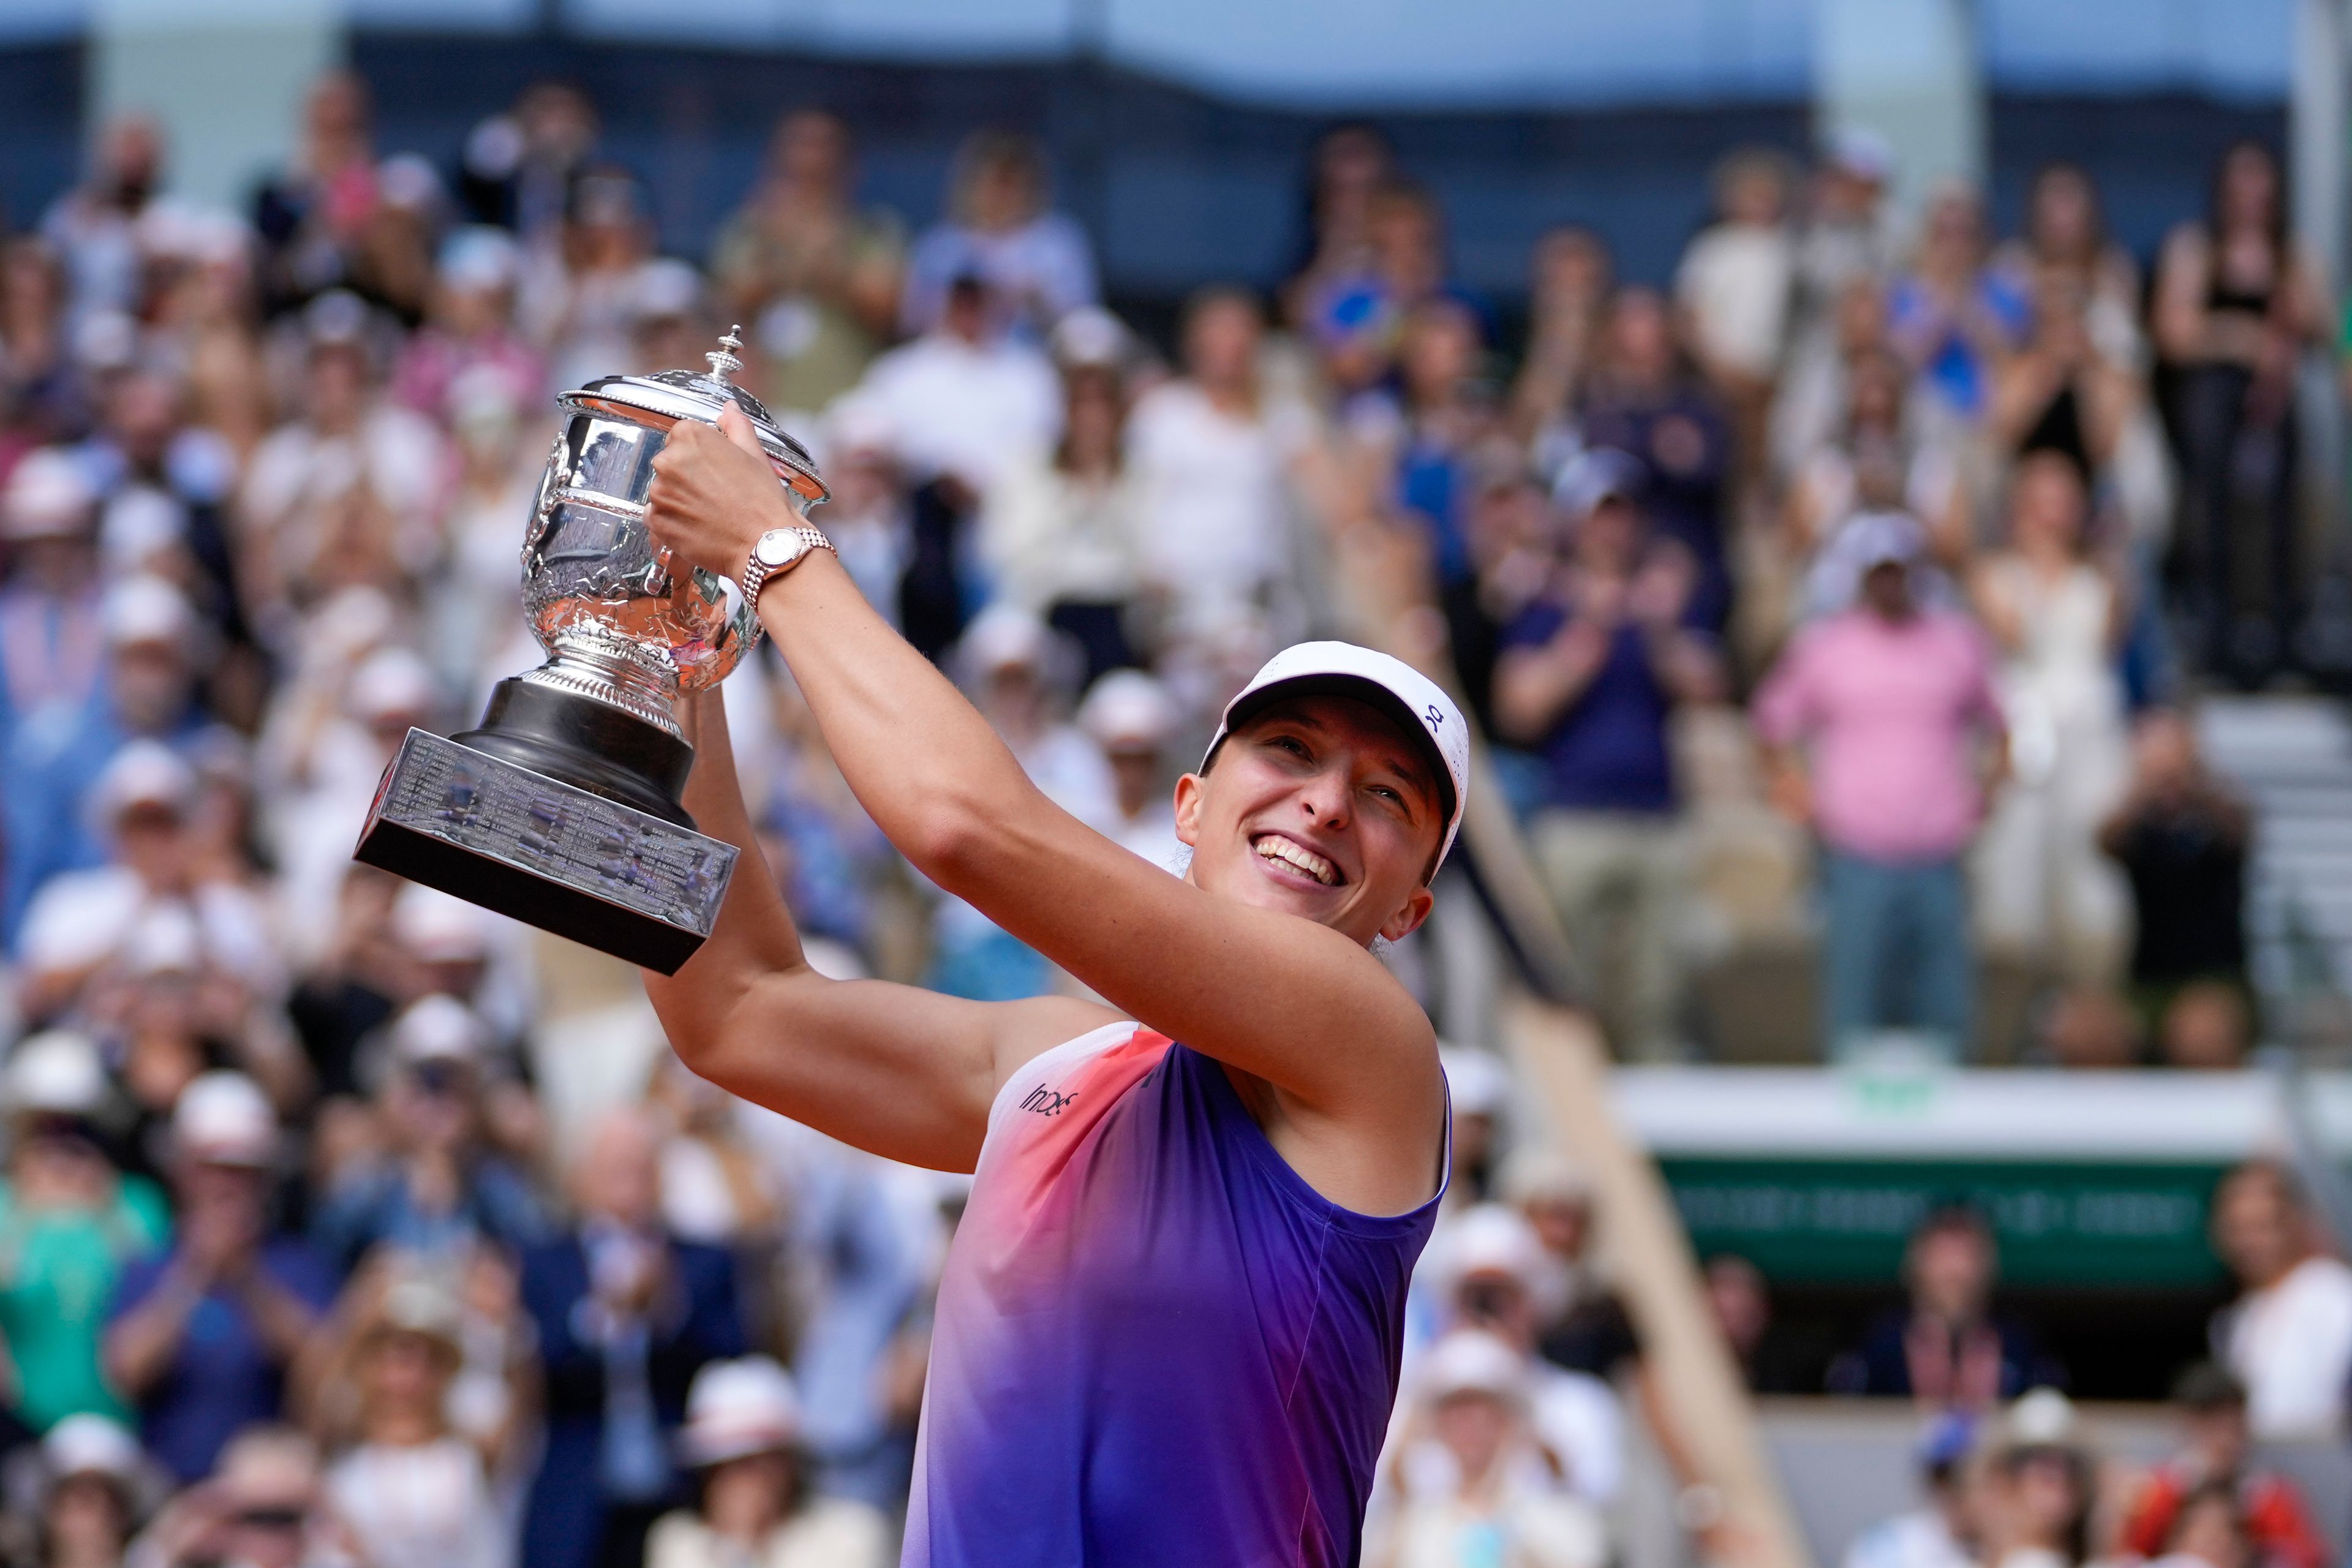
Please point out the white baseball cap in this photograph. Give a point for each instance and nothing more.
(221, 1118)
(1343, 669)
(57, 1071)
(1472, 1361)
(738, 1409)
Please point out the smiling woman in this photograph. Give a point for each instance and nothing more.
(1196, 1209)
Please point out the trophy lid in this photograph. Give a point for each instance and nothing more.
(670, 395)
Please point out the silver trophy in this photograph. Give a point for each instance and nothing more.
(562, 809)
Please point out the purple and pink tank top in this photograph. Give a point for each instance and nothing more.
(1156, 1343)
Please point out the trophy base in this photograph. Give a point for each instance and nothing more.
(562, 813)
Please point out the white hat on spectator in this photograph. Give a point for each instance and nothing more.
(57, 1071)
(138, 523)
(437, 1028)
(1476, 1080)
(143, 609)
(1128, 711)
(1491, 1240)
(1875, 539)
(1091, 338)
(391, 683)
(143, 773)
(1545, 1176)
(477, 258)
(440, 927)
(415, 1305)
(2039, 1418)
(50, 496)
(336, 319)
(1861, 152)
(106, 340)
(408, 182)
(738, 1409)
(860, 427)
(1004, 636)
(1602, 473)
(87, 1444)
(1472, 1361)
(165, 939)
(664, 290)
(221, 1118)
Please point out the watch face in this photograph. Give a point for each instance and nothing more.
(777, 546)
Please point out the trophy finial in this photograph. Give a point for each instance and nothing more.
(724, 362)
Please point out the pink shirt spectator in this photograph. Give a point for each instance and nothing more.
(1889, 710)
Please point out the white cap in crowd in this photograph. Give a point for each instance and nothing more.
(738, 1409)
(477, 258)
(437, 1028)
(143, 773)
(415, 1305)
(1091, 338)
(1472, 1361)
(1004, 636)
(391, 683)
(55, 1071)
(435, 927)
(144, 608)
(1128, 711)
(1494, 1240)
(137, 523)
(48, 496)
(1476, 1080)
(221, 1118)
(1422, 706)
(87, 1444)
(1545, 1176)
(165, 939)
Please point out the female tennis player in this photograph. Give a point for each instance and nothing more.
(1168, 1328)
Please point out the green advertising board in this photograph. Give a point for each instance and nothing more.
(1845, 1221)
(2089, 1179)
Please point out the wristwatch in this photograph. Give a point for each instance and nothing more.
(775, 552)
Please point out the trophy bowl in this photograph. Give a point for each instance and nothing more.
(561, 808)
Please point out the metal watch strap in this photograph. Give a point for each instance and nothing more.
(757, 572)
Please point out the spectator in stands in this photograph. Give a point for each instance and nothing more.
(69, 1224)
(2237, 303)
(310, 217)
(966, 399)
(1037, 262)
(94, 1488)
(1354, 319)
(2065, 239)
(2205, 1027)
(2211, 1530)
(43, 396)
(1483, 1495)
(1131, 717)
(626, 1315)
(2215, 1453)
(1884, 734)
(579, 300)
(1845, 236)
(816, 276)
(1952, 318)
(469, 326)
(265, 1506)
(1643, 400)
(2045, 894)
(346, 493)
(1735, 287)
(2039, 1488)
(742, 1437)
(1945, 1348)
(1496, 1277)
(2088, 1028)
(51, 652)
(97, 228)
(1062, 529)
(516, 168)
(2182, 838)
(1590, 677)
(1217, 453)
(414, 1493)
(1567, 303)
(1741, 1303)
(439, 1191)
(202, 1337)
(1350, 166)
(2288, 1336)
(1942, 1532)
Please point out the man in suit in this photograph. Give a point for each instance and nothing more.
(626, 1315)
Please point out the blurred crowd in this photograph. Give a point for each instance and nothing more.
(1838, 606)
